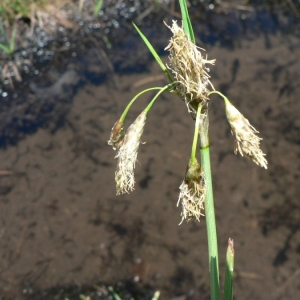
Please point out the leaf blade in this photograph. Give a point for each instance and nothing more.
(154, 53)
(187, 25)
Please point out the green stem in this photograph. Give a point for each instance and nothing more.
(209, 211)
(133, 99)
(167, 87)
(220, 94)
(161, 90)
(196, 134)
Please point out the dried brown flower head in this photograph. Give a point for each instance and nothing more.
(188, 66)
(246, 140)
(192, 193)
(117, 135)
(127, 155)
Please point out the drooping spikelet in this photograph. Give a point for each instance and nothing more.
(246, 140)
(117, 135)
(192, 193)
(188, 66)
(127, 155)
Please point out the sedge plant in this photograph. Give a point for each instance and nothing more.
(187, 72)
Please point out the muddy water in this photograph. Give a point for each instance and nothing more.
(61, 223)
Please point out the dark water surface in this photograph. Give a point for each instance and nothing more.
(61, 224)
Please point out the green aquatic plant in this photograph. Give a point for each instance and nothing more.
(187, 72)
(117, 297)
(10, 9)
(8, 46)
(98, 6)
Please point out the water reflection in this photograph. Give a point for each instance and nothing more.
(61, 223)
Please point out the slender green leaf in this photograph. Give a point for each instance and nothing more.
(228, 285)
(98, 7)
(154, 53)
(156, 295)
(12, 41)
(4, 48)
(115, 295)
(2, 31)
(187, 25)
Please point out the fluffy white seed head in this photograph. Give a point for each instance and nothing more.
(192, 193)
(189, 67)
(127, 155)
(246, 140)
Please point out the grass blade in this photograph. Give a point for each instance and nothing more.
(4, 48)
(2, 31)
(12, 41)
(156, 295)
(228, 286)
(115, 295)
(98, 7)
(187, 25)
(154, 53)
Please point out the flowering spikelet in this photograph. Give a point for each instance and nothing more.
(188, 66)
(246, 140)
(127, 155)
(117, 135)
(192, 193)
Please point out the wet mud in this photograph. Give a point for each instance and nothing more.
(61, 224)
